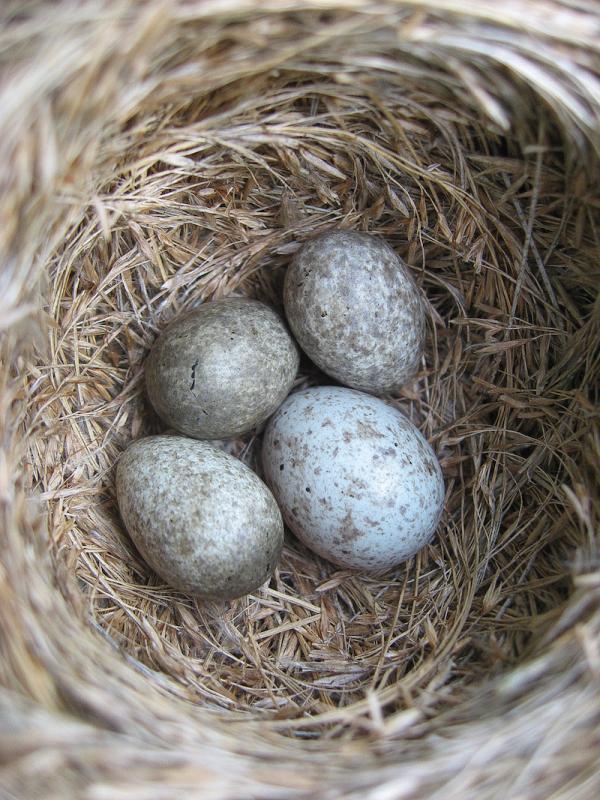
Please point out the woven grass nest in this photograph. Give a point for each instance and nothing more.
(155, 155)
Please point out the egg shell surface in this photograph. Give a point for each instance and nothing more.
(222, 369)
(356, 481)
(355, 310)
(199, 517)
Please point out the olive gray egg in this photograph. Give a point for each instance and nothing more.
(355, 310)
(199, 517)
(222, 369)
(356, 481)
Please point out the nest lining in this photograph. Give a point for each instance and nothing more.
(245, 138)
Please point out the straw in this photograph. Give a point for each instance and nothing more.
(156, 155)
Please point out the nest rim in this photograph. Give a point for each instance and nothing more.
(180, 201)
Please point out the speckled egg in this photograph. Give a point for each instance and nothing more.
(355, 310)
(355, 480)
(221, 370)
(200, 518)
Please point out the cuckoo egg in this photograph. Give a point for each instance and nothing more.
(355, 480)
(200, 518)
(355, 310)
(220, 370)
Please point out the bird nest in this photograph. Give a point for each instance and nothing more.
(157, 155)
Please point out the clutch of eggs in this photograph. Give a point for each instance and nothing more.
(354, 479)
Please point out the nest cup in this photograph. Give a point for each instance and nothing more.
(158, 155)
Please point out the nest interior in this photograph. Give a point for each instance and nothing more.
(160, 155)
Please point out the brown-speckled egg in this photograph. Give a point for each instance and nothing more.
(200, 518)
(355, 310)
(355, 480)
(221, 370)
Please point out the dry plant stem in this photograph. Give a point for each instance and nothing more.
(155, 155)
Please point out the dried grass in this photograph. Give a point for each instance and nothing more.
(158, 154)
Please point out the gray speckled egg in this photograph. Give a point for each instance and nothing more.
(355, 480)
(200, 518)
(222, 369)
(355, 310)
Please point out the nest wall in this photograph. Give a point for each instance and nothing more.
(157, 155)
